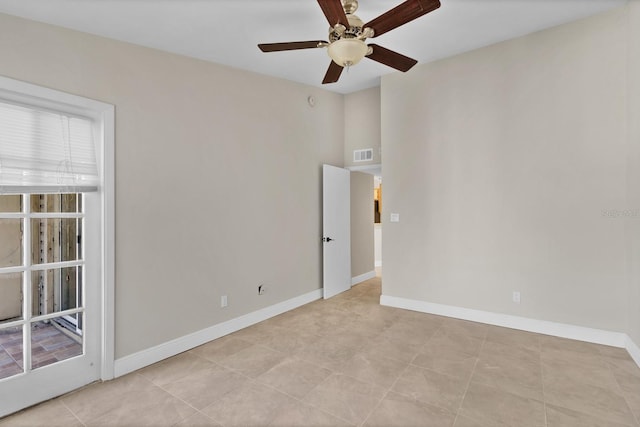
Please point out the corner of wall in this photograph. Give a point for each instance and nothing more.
(362, 125)
(633, 173)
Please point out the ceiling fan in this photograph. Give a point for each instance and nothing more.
(347, 35)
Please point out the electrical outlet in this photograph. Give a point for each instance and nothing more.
(223, 301)
(262, 289)
(516, 297)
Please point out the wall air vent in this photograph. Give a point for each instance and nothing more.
(363, 155)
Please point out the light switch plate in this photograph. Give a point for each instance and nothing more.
(395, 217)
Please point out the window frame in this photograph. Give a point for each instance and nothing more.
(103, 199)
(27, 267)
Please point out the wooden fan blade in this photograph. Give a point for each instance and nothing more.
(333, 73)
(400, 15)
(277, 47)
(334, 12)
(391, 58)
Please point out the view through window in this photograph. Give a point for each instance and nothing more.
(41, 280)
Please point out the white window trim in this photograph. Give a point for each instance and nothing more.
(18, 91)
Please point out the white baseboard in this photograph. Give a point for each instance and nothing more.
(633, 350)
(363, 277)
(378, 263)
(580, 333)
(160, 352)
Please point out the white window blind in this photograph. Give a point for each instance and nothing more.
(45, 151)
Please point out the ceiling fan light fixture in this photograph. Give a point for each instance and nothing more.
(347, 52)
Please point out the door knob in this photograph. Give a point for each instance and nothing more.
(327, 239)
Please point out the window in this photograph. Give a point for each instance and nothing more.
(41, 251)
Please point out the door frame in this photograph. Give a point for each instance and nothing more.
(103, 115)
(375, 170)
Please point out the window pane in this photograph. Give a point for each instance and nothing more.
(55, 290)
(11, 203)
(53, 203)
(10, 297)
(53, 341)
(10, 352)
(54, 240)
(10, 242)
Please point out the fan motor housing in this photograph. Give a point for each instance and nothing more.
(354, 30)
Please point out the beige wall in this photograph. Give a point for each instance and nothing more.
(633, 223)
(362, 125)
(218, 176)
(377, 244)
(362, 249)
(501, 162)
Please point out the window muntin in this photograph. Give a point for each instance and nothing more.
(41, 292)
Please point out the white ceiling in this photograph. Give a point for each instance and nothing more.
(227, 31)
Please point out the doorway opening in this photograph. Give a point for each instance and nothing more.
(377, 230)
(375, 202)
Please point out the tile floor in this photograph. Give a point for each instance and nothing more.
(49, 345)
(348, 361)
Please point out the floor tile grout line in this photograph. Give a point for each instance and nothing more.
(544, 397)
(187, 403)
(384, 396)
(72, 412)
(309, 403)
(169, 393)
(389, 390)
(410, 364)
(334, 372)
(603, 363)
(302, 401)
(626, 400)
(464, 395)
(256, 380)
(296, 357)
(184, 401)
(623, 393)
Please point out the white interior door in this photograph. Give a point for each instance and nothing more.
(336, 228)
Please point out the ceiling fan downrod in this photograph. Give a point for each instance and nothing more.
(350, 6)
